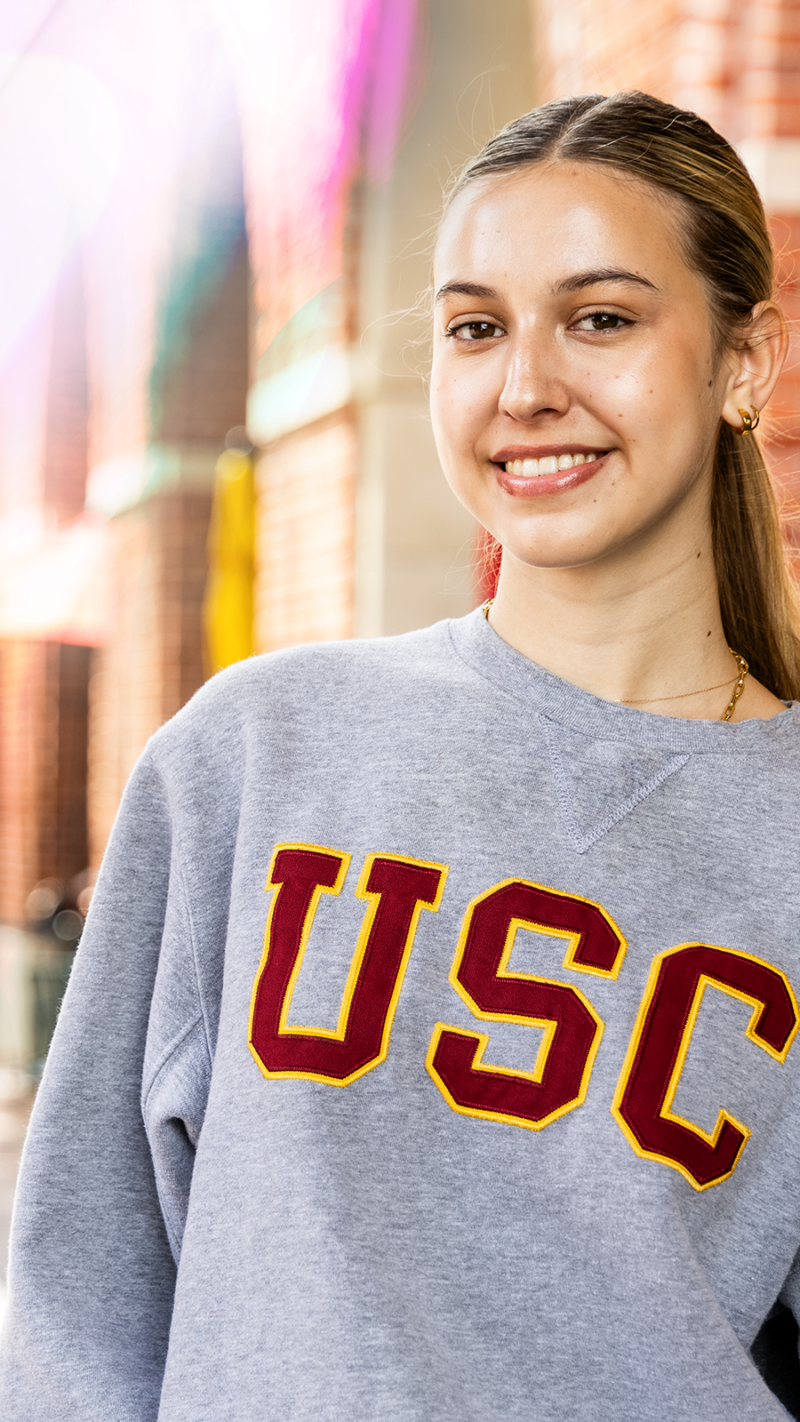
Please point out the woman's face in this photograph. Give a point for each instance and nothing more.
(575, 392)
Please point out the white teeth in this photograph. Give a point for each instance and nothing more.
(548, 464)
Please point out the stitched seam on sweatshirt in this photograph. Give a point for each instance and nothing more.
(168, 1053)
(564, 802)
(633, 800)
(187, 908)
(582, 842)
(197, 982)
(174, 1225)
(517, 696)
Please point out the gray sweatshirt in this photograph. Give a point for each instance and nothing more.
(485, 1109)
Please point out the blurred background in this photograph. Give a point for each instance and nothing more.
(214, 439)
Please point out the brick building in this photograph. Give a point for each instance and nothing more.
(251, 253)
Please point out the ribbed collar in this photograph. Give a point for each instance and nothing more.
(476, 642)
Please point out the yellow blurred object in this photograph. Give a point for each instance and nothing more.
(228, 603)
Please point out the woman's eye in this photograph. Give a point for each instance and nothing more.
(601, 321)
(475, 331)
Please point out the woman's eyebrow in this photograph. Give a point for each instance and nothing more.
(466, 288)
(572, 283)
(603, 274)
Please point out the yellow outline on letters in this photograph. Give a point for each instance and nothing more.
(548, 1023)
(704, 981)
(372, 898)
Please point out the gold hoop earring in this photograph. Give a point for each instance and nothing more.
(749, 422)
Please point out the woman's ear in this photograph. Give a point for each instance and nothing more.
(754, 368)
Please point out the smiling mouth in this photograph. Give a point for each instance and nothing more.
(550, 464)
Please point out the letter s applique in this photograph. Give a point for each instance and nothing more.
(480, 975)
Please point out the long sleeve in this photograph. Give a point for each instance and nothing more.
(91, 1272)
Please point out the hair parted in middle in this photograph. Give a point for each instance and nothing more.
(726, 241)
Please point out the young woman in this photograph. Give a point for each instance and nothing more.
(488, 1108)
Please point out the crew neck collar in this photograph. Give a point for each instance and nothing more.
(476, 643)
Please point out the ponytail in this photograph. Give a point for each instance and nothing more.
(757, 594)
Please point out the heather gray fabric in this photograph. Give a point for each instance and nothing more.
(194, 1241)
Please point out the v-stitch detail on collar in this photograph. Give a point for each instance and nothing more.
(583, 840)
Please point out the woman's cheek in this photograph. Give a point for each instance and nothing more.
(448, 430)
(453, 413)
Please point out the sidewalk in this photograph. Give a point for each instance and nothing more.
(16, 1100)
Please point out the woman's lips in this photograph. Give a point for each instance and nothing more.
(530, 485)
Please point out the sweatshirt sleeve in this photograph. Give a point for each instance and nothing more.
(92, 1274)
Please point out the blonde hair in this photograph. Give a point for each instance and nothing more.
(727, 242)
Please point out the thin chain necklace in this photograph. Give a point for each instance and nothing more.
(684, 695)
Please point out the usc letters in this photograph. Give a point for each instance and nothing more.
(396, 890)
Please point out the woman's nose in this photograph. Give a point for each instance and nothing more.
(534, 385)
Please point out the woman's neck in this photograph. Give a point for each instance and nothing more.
(639, 632)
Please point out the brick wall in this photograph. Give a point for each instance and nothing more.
(138, 359)
(44, 685)
(43, 741)
(585, 47)
(21, 735)
(782, 420)
(63, 842)
(358, 533)
(154, 662)
(306, 502)
(767, 71)
(737, 62)
(191, 378)
(66, 433)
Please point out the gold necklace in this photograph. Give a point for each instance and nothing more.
(684, 695)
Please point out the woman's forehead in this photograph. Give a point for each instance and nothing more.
(549, 216)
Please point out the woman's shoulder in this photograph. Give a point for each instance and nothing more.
(314, 665)
(316, 680)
